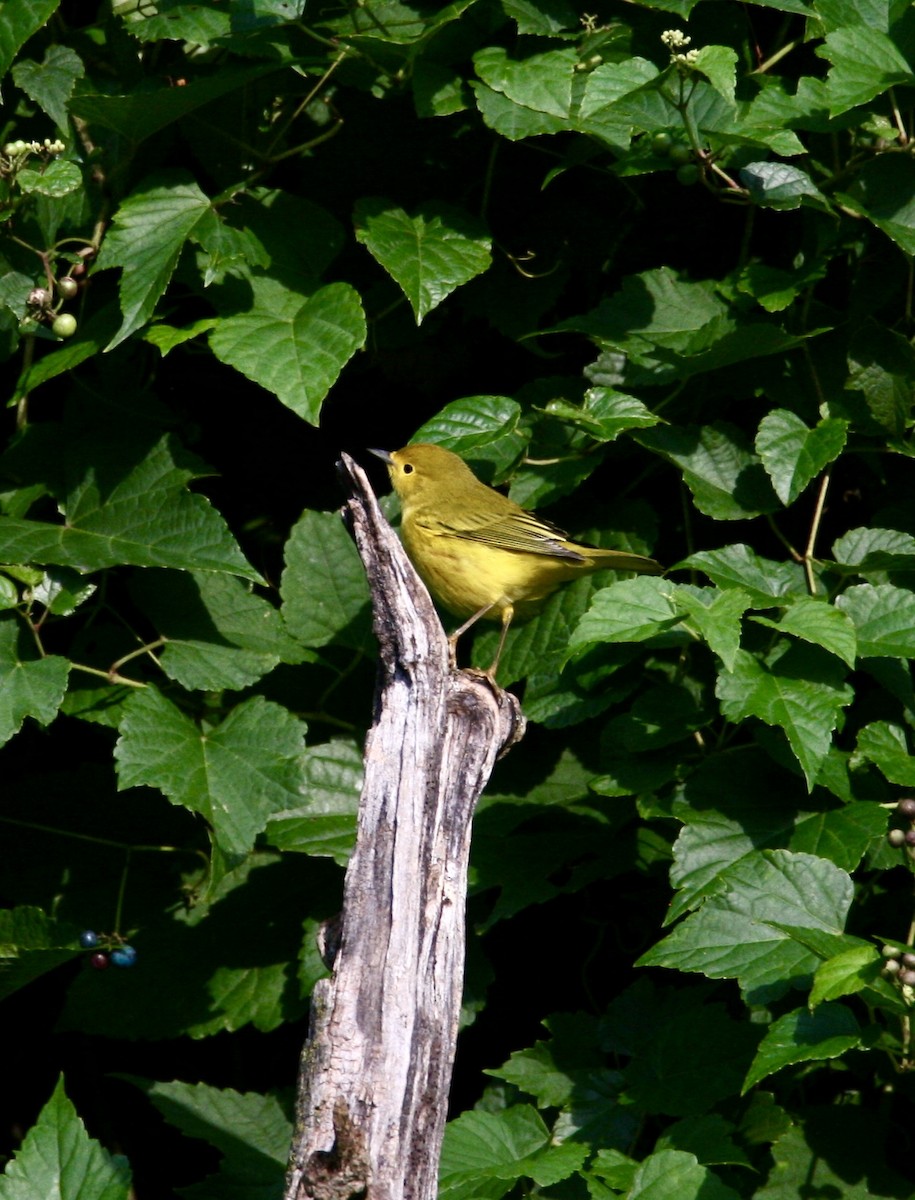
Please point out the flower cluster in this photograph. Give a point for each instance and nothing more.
(676, 42)
(18, 148)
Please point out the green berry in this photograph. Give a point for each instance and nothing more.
(661, 143)
(64, 325)
(67, 287)
(681, 153)
(688, 174)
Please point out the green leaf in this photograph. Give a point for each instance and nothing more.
(29, 686)
(865, 62)
(250, 1130)
(218, 633)
(57, 1158)
(845, 974)
(673, 328)
(31, 944)
(551, 1070)
(510, 120)
(428, 255)
(58, 178)
(778, 185)
(605, 413)
(726, 479)
(235, 774)
(676, 1175)
(737, 566)
(292, 343)
(144, 112)
(794, 689)
(793, 454)
(21, 18)
(886, 746)
(802, 1036)
(881, 378)
(883, 617)
(843, 835)
(323, 586)
(814, 620)
(716, 617)
(875, 550)
(741, 932)
(127, 502)
(719, 65)
(484, 1154)
(325, 825)
(709, 1065)
(542, 82)
(50, 83)
(632, 610)
(541, 17)
(884, 193)
(166, 337)
(485, 430)
(709, 1137)
(833, 1152)
(148, 233)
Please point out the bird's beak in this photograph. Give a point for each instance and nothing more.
(384, 455)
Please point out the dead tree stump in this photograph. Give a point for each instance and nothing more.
(376, 1068)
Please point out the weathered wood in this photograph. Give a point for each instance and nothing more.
(376, 1069)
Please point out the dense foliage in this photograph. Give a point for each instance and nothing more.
(648, 265)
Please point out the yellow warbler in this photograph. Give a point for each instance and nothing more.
(479, 553)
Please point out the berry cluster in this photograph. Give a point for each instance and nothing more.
(904, 837)
(108, 949)
(900, 967)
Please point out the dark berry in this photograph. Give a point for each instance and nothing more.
(124, 956)
(908, 960)
(906, 807)
(910, 837)
(99, 961)
(907, 977)
(88, 938)
(896, 837)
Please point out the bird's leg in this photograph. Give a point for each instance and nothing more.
(453, 639)
(507, 613)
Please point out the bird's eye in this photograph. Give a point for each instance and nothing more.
(408, 468)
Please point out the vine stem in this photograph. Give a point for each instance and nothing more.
(777, 56)
(101, 841)
(814, 530)
(122, 888)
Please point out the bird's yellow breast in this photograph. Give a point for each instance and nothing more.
(466, 575)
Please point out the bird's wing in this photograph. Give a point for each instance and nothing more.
(518, 530)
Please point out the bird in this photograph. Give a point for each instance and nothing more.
(480, 554)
